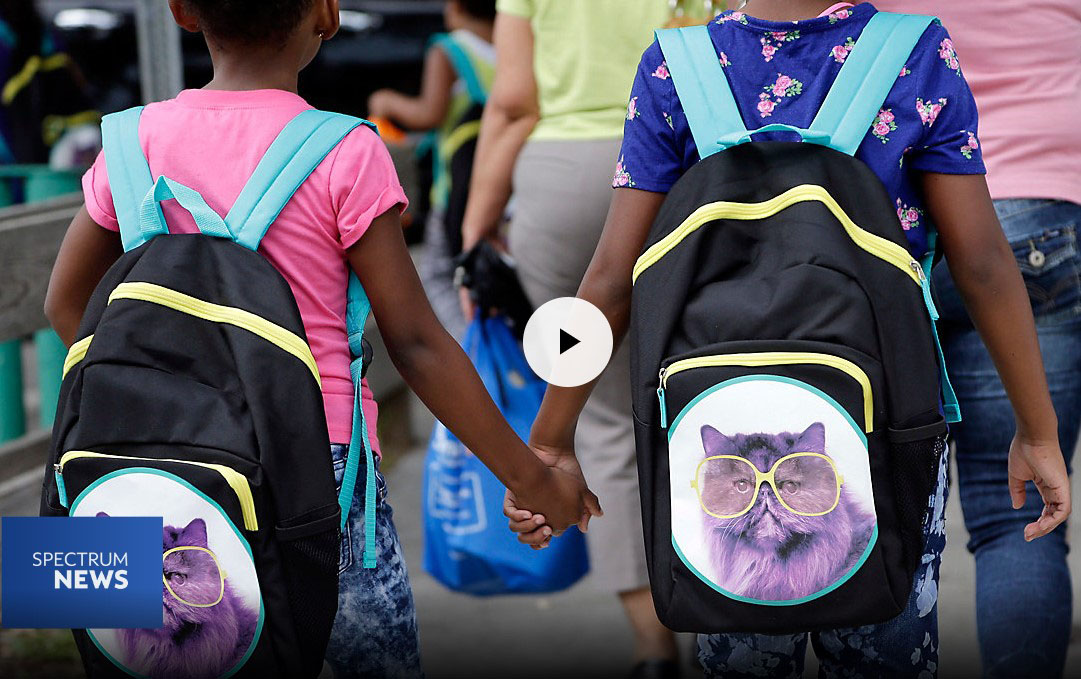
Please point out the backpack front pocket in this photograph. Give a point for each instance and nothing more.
(212, 608)
(769, 471)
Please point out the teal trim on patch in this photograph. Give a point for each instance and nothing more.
(769, 378)
(863, 437)
(173, 477)
(790, 602)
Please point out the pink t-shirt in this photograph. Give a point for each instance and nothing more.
(1023, 63)
(212, 141)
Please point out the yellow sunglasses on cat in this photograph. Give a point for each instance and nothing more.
(198, 559)
(807, 484)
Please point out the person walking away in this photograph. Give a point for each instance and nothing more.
(550, 132)
(780, 58)
(458, 73)
(1032, 148)
(344, 217)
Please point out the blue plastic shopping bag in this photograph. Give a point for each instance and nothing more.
(467, 545)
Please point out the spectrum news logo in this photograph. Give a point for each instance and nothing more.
(68, 572)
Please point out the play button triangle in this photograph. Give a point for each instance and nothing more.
(567, 341)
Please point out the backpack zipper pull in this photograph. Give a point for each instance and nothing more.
(925, 284)
(660, 398)
(58, 472)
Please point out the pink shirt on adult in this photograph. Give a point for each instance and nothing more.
(212, 140)
(1023, 63)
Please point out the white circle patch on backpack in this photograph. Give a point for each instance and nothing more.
(212, 611)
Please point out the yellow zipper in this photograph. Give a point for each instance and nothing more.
(193, 306)
(237, 481)
(773, 358)
(76, 353)
(876, 245)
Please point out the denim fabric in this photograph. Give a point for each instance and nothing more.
(906, 646)
(1023, 596)
(375, 631)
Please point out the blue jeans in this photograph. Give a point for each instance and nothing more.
(375, 631)
(906, 646)
(1023, 599)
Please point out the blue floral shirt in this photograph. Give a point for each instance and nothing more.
(780, 72)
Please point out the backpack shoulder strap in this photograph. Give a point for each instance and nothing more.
(129, 176)
(463, 66)
(300, 147)
(867, 77)
(702, 86)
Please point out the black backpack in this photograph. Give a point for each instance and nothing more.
(44, 97)
(786, 378)
(192, 394)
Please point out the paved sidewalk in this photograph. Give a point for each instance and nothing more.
(582, 633)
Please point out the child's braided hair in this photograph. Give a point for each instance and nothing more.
(249, 21)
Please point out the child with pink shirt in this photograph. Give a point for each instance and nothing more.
(344, 216)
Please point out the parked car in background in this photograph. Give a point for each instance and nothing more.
(381, 44)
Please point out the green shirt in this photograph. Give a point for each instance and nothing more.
(585, 56)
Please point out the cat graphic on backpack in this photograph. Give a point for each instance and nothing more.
(207, 627)
(771, 552)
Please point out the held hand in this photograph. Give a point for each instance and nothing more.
(561, 497)
(1042, 463)
(534, 529)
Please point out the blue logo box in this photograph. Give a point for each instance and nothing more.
(101, 572)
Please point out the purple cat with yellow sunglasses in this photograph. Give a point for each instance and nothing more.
(778, 521)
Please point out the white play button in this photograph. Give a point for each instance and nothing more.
(568, 342)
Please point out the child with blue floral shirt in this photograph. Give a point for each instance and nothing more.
(780, 72)
(923, 145)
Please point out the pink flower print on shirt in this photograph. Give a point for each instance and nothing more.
(725, 63)
(662, 71)
(781, 86)
(734, 16)
(768, 50)
(948, 54)
(884, 124)
(622, 178)
(774, 40)
(909, 215)
(632, 109)
(904, 71)
(841, 52)
(840, 15)
(784, 86)
(929, 110)
(971, 145)
(765, 105)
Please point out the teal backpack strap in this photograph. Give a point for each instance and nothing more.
(702, 86)
(129, 177)
(151, 219)
(463, 66)
(951, 407)
(298, 150)
(868, 75)
(357, 310)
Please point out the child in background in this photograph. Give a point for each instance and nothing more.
(458, 73)
(346, 215)
(780, 64)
